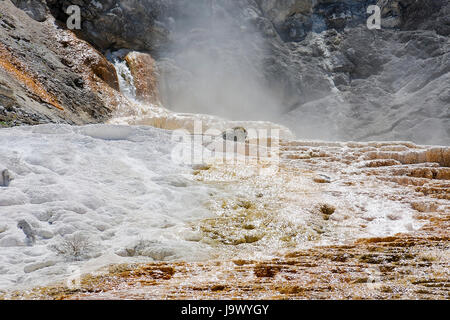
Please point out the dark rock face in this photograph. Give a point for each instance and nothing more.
(117, 24)
(313, 65)
(417, 15)
(323, 16)
(36, 9)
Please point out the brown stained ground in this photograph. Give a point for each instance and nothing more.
(400, 267)
(414, 265)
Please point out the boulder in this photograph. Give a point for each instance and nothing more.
(145, 75)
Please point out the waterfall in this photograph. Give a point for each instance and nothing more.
(130, 108)
(126, 81)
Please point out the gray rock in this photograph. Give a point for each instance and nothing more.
(238, 134)
(36, 9)
(28, 231)
(5, 178)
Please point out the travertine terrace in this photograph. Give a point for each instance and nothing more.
(327, 251)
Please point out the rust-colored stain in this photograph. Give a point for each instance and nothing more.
(13, 67)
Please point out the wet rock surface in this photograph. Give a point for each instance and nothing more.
(266, 255)
(145, 75)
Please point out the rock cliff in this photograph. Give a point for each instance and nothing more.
(311, 65)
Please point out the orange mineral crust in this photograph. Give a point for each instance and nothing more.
(12, 66)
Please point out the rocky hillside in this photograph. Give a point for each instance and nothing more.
(48, 75)
(311, 65)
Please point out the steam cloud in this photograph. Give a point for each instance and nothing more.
(215, 64)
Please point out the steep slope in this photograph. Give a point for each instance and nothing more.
(48, 75)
